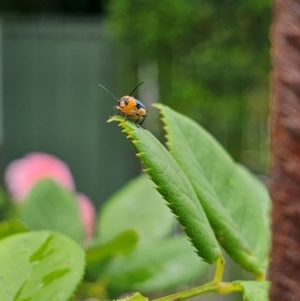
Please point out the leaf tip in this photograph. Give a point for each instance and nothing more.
(115, 118)
(156, 105)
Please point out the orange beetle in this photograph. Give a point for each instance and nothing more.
(130, 107)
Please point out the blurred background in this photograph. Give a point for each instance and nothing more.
(207, 59)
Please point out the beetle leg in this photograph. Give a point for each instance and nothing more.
(144, 117)
(115, 109)
(125, 116)
(136, 122)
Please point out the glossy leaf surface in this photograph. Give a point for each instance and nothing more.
(39, 266)
(255, 290)
(155, 267)
(51, 207)
(176, 189)
(229, 195)
(136, 206)
(121, 244)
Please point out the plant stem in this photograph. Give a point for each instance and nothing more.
(221, 288)
(215, 286)
(209, 287)
(261, 277)
(220, 264)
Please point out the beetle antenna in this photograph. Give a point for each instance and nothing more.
(109, 93)
(135, 88)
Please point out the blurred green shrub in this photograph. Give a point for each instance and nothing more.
(212, 59)
(217, 202)
(134, 248)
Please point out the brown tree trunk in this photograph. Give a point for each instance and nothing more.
(285, 151)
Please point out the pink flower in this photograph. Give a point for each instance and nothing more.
(22, 174)
(88, 215)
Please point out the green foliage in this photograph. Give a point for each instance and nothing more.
(6, 207)
(11, 226)
(199, 173)
(125, 264)
(49, 206)
(121, 244)
(259, 193)
(102, 252)
(230, 203)
(217, 202)
(254, 291)
(155, 267)
(137, 206)
(39, 266)
(176, 189)
(213, 62)
(133, 242)
(134, 297)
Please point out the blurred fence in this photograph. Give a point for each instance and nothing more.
(51, 102)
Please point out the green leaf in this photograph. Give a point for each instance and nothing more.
(51, 207)
(254, 290)
(121, 244)
(228, 196)
(137, 206)
(39, 266)
(156, 267)
(103, 251)
(260, 194)
(134, 297)
(176, 189)
(11, 227)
